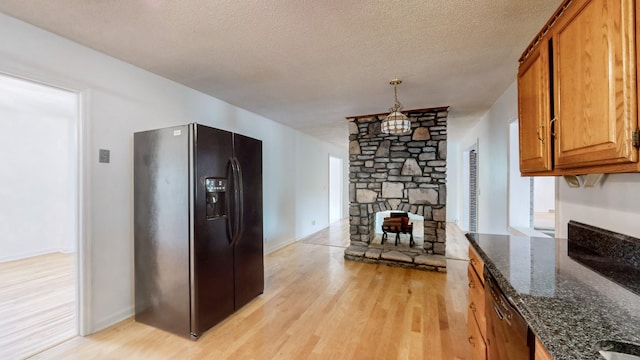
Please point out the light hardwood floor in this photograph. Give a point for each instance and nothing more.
(37, 304)
(457, 244)
(316, 305)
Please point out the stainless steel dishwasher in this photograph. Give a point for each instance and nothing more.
(507, 331)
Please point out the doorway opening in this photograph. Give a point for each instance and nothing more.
(39, 185)
(470, 191)
(335, 189)
(532, 198)
(544, 206)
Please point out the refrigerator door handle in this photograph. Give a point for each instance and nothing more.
(238, 197)
(230, 225)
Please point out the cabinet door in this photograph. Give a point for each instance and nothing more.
(534, 111)
(595, 84)
(540, 352)
(476, 301)
(478, 347)
(477, 264)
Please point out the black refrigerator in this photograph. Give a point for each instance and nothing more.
(197, 226)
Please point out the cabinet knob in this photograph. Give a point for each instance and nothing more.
(472, 284)
(473, 262)
(471, 340)
(472, 306)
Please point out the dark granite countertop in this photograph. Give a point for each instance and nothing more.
(569, 307)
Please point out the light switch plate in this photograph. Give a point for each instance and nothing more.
(104, 156)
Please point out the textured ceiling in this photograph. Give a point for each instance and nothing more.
(309, 64)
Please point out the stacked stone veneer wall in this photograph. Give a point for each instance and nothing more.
(404, 173)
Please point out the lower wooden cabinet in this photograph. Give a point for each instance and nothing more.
(476, 301)
(476, 263)
(541, 353)
(476, 323)
(476, 319)
(478, 347)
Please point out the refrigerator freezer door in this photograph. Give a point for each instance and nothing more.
(212, 252)
(248, 249)
(161, 228)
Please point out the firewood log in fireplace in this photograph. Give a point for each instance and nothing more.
(397, 223)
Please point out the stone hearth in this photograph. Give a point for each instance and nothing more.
(403, 173)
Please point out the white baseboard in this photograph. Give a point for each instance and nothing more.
(67, 251)
(269, 248)
(112, 320)
(313, 233)
(29, 254)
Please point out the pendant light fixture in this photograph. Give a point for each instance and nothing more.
(396, 123)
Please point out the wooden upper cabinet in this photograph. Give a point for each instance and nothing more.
(577, 91)
(594, 72)
(534, 111)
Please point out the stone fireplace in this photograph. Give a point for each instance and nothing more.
(405, 173)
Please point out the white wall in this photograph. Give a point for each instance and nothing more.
(37, 153)
(336, 189)
(544, 190)
(614, 205)
(454, 185)
(120, 99)
(519, 192)
(312, 180)
(491, 133)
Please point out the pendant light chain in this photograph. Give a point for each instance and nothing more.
(397, 105)
(396, 123)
